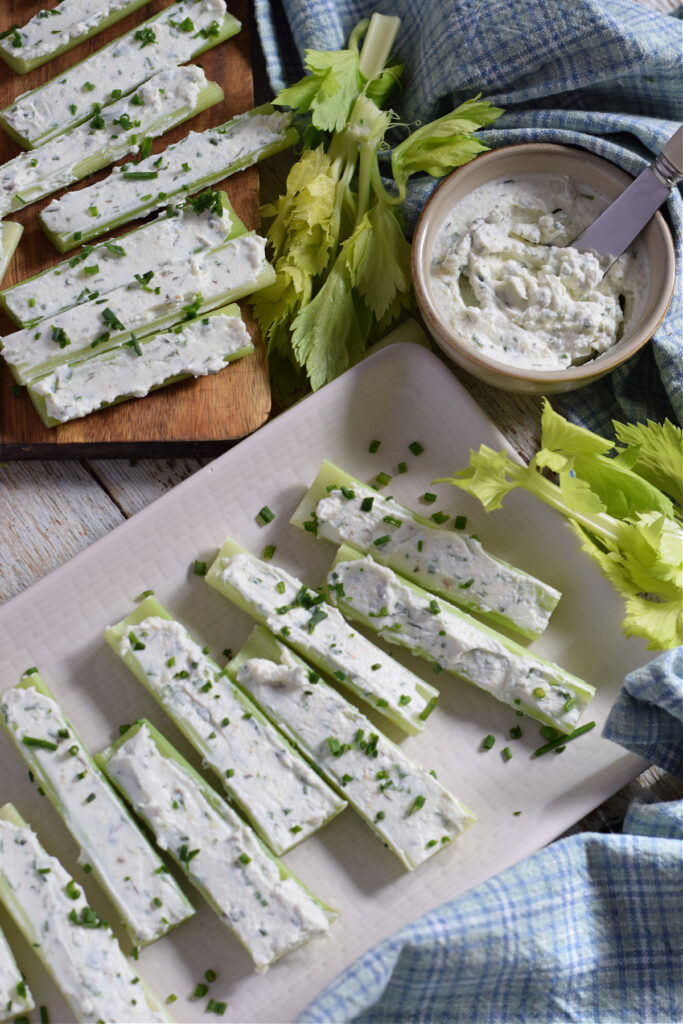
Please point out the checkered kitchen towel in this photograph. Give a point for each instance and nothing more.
(588, 931)
(606, 75)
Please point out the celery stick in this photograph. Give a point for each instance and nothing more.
(159, 299)
(74, 945)
(10, 233)
(199, 160)
(253, 893)
(39, 40)
(376, 777)
(449, 563)
(15, 995)
(148, 899)
(264, 775)
(171, 97)
(318, 632)
(117, 69)
(403, 613)
(177, 234)
(133, 369)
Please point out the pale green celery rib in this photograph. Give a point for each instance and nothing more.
(16, 1002)
(9, 813)
(87, 842)
(217, 805)
(230, 27)
(116, 148)
(9, 297)
(472, 597)
(12, 55)
(25, 374)
(410, 718)
(151, 607)
(262, 644)
(487, 639)
(10, 233)
(40, 402)
(65, 240)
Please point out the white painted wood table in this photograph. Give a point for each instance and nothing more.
(49, 511)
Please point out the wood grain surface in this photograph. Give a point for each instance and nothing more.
(190, 418)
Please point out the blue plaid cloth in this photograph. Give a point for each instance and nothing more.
(588, 931)
(605, 75)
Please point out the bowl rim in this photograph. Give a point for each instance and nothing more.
(588, 371)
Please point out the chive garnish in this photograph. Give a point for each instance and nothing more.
(460, 522)
(488, 741)
(366, 504)
(374, 446)
(428, 708)
(210, 975)
(200, 990)
(429, 497)
(402, 467)
(140, 175)
(244, 858)
(383, 479)
(199, 568)
(562, 740)
(418, 802)
(35, 741)
(440, 517)
(416, 448)
(506, 753)
(266, 515)
(268, 551)
(515, 733)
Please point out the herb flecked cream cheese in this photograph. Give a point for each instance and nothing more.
(77, 948)
(505, 278)
(15, 996)
(255, 896)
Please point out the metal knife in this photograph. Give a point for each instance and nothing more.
(624, 219)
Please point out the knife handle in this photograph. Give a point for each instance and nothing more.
(669, 164)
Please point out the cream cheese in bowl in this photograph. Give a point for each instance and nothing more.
(505, 279)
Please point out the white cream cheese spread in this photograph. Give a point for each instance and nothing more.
(81, 953)
(270, 914)
(116, 69)
(194, 349)
(197, 160)
(455, 642)
(405, 805)
(319, 632)
(448, 562)
(42, 36)
(172, 237)
(15, 996)
(506, 279)
(168, 98)
(151, 302)
(282, 796)
(148, 899)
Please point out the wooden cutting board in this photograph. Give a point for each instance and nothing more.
(201, 417)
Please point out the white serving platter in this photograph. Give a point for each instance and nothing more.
(403, 393)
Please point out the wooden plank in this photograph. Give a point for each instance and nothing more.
(134, 484)
(48, 513)
(191, 418)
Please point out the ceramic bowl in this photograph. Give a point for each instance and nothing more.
(546, 158)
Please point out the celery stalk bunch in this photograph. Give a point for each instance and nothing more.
(339, 249)
(623, 500)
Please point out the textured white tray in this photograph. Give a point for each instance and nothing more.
(401, 394)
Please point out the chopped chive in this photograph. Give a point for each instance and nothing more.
(381, 540)
(569, 704)
(440, 517)
(374, 446)
(428, 708)
(216, 1006)
(268, 551)
(35, 741)
(391, 520)
(244, 858)
(404, 699)
(266, 515)
(199, 568)
(416, 448)
(366, 504)
(506, 753)
(200, 990)
(140, 175)
(418, 802)
(402, 467)
(383, 479)
(429, 497)
(460, 522)
(488, 741)
(210, 975)
(538, 692)
(562, 740)
(71, 889)
(515, 732)
(434, 607)
(348, 493)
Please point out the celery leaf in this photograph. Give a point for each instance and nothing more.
(659, 453)
(327, 337)
(383, 272)
(329, 91)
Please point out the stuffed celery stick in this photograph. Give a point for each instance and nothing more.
(42, 39)
(193, 349)
(146, 897)
(158, 299)
(10, 233)
(255, 896)
(15, 995)
(405, 614)
(178, 234)
(263, 774)
(180, 32)
(403, 803)
(319, 633)
(170, 98)
(449, 563)
(76, 947)
(197, 161)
